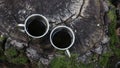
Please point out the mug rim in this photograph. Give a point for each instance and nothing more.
(73, 37)
(46, 21)
(116, 65)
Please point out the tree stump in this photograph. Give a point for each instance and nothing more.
(85, 17)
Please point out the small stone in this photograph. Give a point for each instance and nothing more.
(44, 61)
(82, 58)
(88, 53)
(17, 44)
(105, 40)
(99, 50)
(98, 24)
(22, 11)
(50, 56)
(105, 4)
(32, 54)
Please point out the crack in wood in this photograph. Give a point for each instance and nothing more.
(79, 14)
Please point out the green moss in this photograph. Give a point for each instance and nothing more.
(19, 60)
(15, 57)
(58, 63)
(104, 59)
(112, 31)
(11, 52)
(64, 62)
(90, 65)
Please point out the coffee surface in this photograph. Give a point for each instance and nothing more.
(61, 39)
(36, 28)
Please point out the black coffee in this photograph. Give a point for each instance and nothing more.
(36, 28)
(118, 66)
(61, 39)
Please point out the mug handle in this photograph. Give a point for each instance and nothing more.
(21, 25)
(68, 52)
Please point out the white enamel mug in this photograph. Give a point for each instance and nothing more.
(35, 25)
(62, 38)
(117, 65)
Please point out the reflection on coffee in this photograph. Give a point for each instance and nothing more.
(61, 38)
(36, 27)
